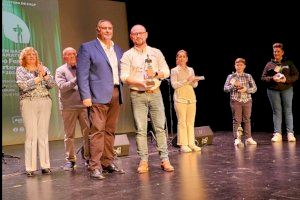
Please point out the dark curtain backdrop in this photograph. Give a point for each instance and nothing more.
(214, 35)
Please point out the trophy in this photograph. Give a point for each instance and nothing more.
(148, 66)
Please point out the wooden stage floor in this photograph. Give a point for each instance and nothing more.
(220, 171)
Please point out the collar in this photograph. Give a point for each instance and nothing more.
(186, 68)
(141, 50)
(104, 46)
(71, 66)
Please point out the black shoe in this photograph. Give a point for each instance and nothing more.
(30, 174)
(112, 168)
(69, 166)
(96, 173)
(46, 171)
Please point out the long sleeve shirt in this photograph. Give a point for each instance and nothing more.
(287, 68)
(133, 64)
(27, 86)
(184, 90)
(69, 97)
(245, 80)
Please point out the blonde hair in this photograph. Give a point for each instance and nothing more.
(24, 52)
(182, 51)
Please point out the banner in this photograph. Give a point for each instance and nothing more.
(28, 23)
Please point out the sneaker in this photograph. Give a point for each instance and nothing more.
(277, 137)
(237, 142)
(185, 149)
(30, 173)
(46, 171)
(291, 137)
(143, 167)
(166, 166)
(250, 141)
(69, 166)
(97, 174)
(195, 148)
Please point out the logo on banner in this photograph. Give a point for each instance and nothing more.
(14, 28)
(17, 120)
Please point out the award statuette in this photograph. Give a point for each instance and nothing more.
(148, 66)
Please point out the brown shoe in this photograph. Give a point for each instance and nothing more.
(166, 166)
(143, 167)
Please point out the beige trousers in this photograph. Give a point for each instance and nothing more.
(70, 118)
(36, 116)
(186, 113)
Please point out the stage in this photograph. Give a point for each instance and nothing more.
(219, 171)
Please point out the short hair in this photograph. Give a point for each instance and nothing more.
(238, 60)
(101, 21)
(23, 54)
(278, 45)
(67, 49)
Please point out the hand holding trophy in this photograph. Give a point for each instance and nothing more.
(236, 83)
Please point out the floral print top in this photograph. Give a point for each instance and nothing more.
(28, 88)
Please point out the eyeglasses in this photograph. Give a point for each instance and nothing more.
(138, 33)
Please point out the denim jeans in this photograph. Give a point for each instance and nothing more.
(282, 101)
(142, 103)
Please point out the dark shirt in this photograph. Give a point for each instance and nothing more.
(287, 68)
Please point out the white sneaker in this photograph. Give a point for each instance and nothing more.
(237, 142)
(277, 137)
(250, 141)
(291, 137)
(185, 149)
(195, 148)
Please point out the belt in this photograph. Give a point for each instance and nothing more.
(157, 90)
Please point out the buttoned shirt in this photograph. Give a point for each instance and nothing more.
(245, 80)
(113, 60)
(133, 64)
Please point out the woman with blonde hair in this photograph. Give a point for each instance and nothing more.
(183, 81)
(34, 82)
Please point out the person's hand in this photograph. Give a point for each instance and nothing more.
(283, 79)
(87, 102)
(237, 83)
(41, 70)
(141, 84)
(38, 79)
(191, 79)
(279, 78)
(242, 90)
(46, 78)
